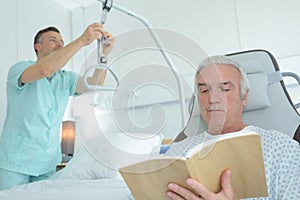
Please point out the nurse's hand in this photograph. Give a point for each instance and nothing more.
(108, 43)
(91, 33)
(176, 192)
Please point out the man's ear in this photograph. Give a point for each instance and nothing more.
(245, 97)
(37, 46)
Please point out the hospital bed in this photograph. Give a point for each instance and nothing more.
(85, 177)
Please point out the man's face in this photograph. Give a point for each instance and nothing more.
(50, 41)
(219, 97)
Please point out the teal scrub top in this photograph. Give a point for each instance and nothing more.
(30, 140)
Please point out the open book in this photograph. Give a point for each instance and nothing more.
(241, 152)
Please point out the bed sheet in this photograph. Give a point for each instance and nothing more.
(112, 189)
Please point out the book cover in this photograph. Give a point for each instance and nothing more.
(240, 152)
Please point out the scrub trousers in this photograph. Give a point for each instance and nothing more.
(9, 178)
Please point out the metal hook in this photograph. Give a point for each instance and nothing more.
(106, 6)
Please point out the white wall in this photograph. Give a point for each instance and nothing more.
(218, 26)
(9, 46)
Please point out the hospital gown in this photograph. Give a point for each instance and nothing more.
(281, 157)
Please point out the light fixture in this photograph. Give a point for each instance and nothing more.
(67, 140)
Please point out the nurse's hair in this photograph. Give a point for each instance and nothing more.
(38, 36)
(220, 59)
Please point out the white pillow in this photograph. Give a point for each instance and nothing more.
(83, 166)
(130, 148)
(258, 96)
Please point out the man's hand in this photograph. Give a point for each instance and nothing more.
(92, 32)
(177, 192)
(108, 43)
(96, 31)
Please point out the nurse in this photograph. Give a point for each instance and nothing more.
(37, 95)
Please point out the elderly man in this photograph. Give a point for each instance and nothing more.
(222, 93)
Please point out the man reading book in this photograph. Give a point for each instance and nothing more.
(222, 93)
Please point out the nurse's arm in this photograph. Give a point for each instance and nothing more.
(51, 63)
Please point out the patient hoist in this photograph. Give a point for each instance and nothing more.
(101, 60)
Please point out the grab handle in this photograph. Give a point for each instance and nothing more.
(100, 87)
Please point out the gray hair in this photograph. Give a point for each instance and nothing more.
(219, 59)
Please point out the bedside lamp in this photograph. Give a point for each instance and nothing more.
(67, 140)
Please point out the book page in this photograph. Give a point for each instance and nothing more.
(151, 182)
(211, 141)
(240, 154)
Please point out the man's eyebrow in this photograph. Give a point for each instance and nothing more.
(227, 83)
(202, 84)
(54, 37)
(221, 83)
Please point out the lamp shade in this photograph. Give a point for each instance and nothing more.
(68, 138)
